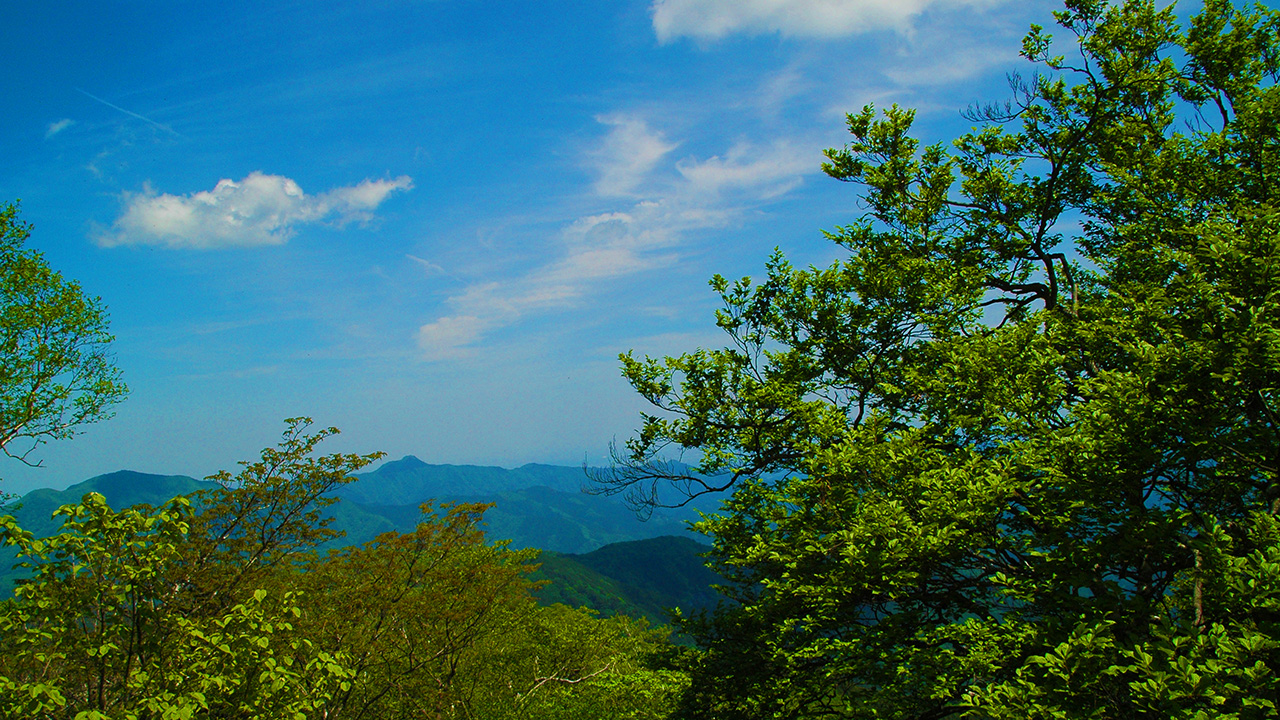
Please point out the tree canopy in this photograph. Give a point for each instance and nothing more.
(1018, 453)
(56, 369)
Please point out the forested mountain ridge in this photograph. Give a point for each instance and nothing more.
(620, 572)
(577, 531)
(538, 506)
(122, 488)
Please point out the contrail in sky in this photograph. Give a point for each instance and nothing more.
(130, 113)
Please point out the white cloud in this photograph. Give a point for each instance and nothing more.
(595, 249)
(765, 172)
(261, 209)
(627, 155)
(715, 19)
(57, 127)
(448, 337)
(951, 67)
(675, 199)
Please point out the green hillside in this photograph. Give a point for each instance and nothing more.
(571, 583)
(123, 488)
(126, 488)
(34, 511)
(661, 572)
(638, 578)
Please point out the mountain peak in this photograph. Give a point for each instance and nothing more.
(129, 483)
(408, 462)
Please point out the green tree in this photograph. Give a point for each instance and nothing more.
(265, 521)
(99, 631)
(1017, 455)
(439, 623)
(180, 611)
(56, 369)
(560, 663)
(410, 609)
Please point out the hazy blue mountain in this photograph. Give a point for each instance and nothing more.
(34, 511)
(567, 522)
(596, 553)
(409, 481)
(540, 506)
(127, 488)
(535, 505)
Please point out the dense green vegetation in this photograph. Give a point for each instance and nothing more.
(220, 604)
(1029, 427)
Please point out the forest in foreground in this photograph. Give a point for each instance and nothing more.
(1015, 455)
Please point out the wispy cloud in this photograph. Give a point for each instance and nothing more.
(427, 266)
(667, 202)
(593, 249)
(715, 19)
(57, 127)
(261, 209)
(132, 114)
(628, 154)
(957, 63)
(763, 172)
(449, 337)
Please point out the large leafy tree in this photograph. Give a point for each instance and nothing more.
(412, 609)
(439, 623)
(56, 369)
(1017, 455)
(99, 630)
(180, 611)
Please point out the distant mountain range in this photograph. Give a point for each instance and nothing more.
(409, 480)
(596, 551)
(540, 506)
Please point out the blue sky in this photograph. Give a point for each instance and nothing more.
(435, 224)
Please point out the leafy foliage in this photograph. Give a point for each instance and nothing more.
(1018, 455)
(56, 370)
(410, 609)
(267, 517)
(97, 631)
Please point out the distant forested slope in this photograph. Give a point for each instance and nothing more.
(638, 578)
